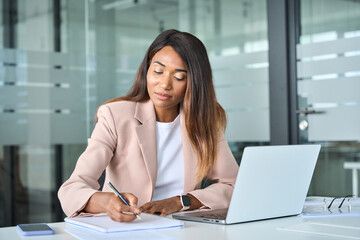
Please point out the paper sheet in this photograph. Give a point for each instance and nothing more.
(88, 234)
(105, 224)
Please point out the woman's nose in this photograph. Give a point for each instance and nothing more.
(165, 81)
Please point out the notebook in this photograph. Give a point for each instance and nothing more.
(103, 223)
(272, 182)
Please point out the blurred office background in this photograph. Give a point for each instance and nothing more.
(287, 72)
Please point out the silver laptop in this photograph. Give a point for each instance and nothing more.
(272, 182)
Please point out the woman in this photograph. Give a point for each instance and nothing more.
(159, 141)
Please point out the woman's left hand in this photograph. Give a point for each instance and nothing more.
(162, 207)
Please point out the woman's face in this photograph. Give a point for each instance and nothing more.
(166, 83)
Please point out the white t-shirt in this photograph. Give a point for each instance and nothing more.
(170, 160)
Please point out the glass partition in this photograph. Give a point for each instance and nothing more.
(68, 57)
(43, 106)
(1, 26)
(328, 90)
(238, 54)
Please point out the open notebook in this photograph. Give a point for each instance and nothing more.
(103, 223)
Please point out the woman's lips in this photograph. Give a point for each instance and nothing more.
(162, 96)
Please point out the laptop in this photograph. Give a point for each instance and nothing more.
(272, 182)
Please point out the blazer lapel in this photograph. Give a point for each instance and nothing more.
(146, 135)
(190, 160)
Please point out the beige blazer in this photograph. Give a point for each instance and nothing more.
(124, 143)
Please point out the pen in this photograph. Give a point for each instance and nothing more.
(121, 197)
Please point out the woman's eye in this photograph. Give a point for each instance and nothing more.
(180, 78)
(157, 72)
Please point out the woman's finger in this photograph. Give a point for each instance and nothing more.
(130, 198)
(146, 206)
(120, 212)
(122, 217)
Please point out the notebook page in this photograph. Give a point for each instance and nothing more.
(105, 224)
(89, 234)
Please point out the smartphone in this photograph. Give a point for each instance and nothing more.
(32, 229)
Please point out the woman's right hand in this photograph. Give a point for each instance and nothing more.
(119, 211)
(107, 202)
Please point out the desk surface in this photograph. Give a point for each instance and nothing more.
(298, 227)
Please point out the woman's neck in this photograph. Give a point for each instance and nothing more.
(166, 115)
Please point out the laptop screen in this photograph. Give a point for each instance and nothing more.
(272, 181)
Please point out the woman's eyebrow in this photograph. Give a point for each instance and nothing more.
(160, 63)
(178, 70)
(181, 70)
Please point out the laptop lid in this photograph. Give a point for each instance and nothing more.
(272, 181)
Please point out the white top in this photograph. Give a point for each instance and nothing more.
(170, 160)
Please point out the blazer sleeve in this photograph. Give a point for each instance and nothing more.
(223, 176)
(83, 182)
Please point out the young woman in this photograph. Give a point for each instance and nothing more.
(159, 141)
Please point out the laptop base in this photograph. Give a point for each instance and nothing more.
(217, 216)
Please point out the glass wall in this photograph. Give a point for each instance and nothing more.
(328, 90)
(238, 54)
(1, 25)
(66, 57)
(43, 118)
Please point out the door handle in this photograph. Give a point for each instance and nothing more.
(309, 111)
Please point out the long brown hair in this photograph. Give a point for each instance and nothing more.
(205, 119)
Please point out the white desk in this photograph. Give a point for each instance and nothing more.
(344, 227)
(354, 166)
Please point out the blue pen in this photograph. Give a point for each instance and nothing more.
(121, 197)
